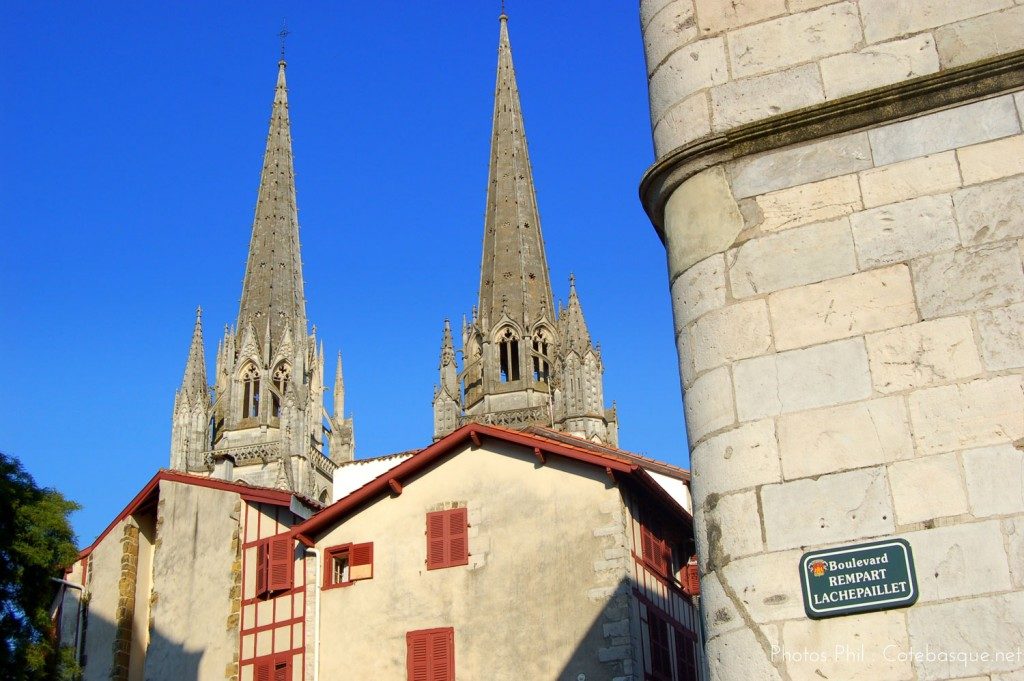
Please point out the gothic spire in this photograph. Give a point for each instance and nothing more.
(272, 296)
(193, 385)
(575, 336)
(514, 270)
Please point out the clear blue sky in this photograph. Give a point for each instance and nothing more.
(134, 134)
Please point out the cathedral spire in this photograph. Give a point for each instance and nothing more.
(272, 295)
(514, 269)
(193, 384)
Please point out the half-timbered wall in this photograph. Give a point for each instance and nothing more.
(273, 623)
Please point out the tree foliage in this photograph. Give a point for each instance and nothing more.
(36, 543)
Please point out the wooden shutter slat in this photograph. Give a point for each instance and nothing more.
(262, 670)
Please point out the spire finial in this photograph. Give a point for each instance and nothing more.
(283, 35)
(503, 16)
(572, 280)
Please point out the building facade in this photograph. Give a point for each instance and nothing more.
(524, 362)
(839, 189)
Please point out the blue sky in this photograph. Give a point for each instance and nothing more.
(134, 137)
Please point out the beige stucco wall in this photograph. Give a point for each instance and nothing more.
(547, 554)
(191, 603)
(849, 316)
(104, 571)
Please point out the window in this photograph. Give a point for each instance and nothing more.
(661, 656)
(447, 538)
(274, 562)
(282, 374)
(430, 654)
(348, 563)
(686, 656)
(272, 668)
(656, 552)
(250, 391)
(508, 347)
(541, 368)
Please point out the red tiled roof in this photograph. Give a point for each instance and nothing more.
(265, 495)
(613, 461)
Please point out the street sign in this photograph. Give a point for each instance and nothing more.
(860, 578)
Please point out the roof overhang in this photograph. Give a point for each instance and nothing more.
(474, 434)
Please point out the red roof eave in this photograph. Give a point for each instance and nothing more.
(306, 531)
(262, 495)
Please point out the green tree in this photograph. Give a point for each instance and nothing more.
(36, 543)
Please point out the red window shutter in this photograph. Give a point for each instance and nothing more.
(646, 544)
(360, 561)
(417, 657)
(458, 537)
(442, 656)
(283, 670)
(666, 558)
(262, 556)
(691, 578)
(279, 569)
(262, 670)
(436, 554)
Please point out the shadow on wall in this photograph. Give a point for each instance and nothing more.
(607, 650)
(165, 660)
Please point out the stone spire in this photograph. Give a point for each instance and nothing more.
(514, 269)
(575, 336)
(193, 385)
(272, 295)
(521, 365)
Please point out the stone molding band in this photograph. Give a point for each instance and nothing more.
(882, 105)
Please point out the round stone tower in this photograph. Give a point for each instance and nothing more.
(839, 189)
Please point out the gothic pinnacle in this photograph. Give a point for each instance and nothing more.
(193, 383)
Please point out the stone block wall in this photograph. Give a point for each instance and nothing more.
(716, 64)
(847, 281)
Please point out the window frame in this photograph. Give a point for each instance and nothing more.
(349, 549)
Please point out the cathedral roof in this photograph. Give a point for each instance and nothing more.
(514, 270)
(272, 294)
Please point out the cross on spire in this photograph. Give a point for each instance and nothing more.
(283, 35)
